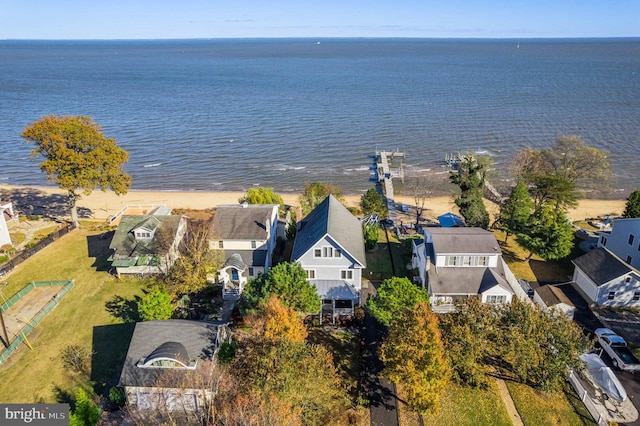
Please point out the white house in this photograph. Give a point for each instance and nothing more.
(168, 362)
(623, 240)
(7, 214)
(247, 234)
(457, 262)
(606, 279)
(550, 297)
(147, 244)
(329, 245)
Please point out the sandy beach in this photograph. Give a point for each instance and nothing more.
(101, 205)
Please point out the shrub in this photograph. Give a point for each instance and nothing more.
(75, 357)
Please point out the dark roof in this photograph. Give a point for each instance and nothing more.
(461, 240)
(235, 261)
(242, 221)
(601, 266)
(332, 218)
(124, 242)
(466, 280)
(171, 350)
(188, 340)
(552, 295)
(250, 257)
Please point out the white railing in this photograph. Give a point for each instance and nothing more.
(586, 399)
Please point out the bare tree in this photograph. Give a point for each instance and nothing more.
(421, 187)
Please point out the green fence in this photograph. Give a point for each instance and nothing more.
(66, 286)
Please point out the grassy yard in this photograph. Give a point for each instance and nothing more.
(462, 406)
(94, 315)
(554, 408)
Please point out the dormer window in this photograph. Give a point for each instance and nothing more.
(144, 233)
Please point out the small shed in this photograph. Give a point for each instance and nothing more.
(552, 297)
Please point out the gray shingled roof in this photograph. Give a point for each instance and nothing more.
(195, 339)
(249, 257)
(332, 218)
(602, 266)
(335, 289)
(466, 280)
(124, 242)
(463, 241)
(238, 222)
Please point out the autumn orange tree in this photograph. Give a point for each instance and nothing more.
(77, 156)
(413, 355)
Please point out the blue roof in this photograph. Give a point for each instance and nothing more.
(449, 220)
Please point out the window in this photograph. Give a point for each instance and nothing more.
(317, 253)
(466, 260)
(629, 260)
(483, 260)
(451, 261)
(346, 274)
(496, 299)
(311, 274)
(251, 272)
(627, 279)
(220, 244)
(636, 296)
(253, 244)
(611, 295)
(604, 242)
(327, 251)
(631, 237)
(338, 253)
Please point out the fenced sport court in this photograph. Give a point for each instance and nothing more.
(25, 310)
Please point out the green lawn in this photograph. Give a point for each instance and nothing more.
(92, 315)
(553, 408)
(462, 406)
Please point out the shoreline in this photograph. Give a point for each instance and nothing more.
(99, 205)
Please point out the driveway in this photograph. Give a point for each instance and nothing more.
(586, 319)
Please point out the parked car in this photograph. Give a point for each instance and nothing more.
(617, 349)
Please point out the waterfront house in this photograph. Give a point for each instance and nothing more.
(167, 364)
(607, 280)
(623, 240)
(329, 245)
(147, 244)
(247, 235)
(455, 263)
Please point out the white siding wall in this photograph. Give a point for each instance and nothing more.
(239, 245)
(4, 231)
(328, 268)
(624, 292)
(497, 291)
(585, 283)
(618, 240)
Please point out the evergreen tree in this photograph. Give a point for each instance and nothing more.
(372, 202)
(86, 413)
(549, 234)
(413, 356)
(470, 178)
(516, 210)
(286, 280)
(632, 209)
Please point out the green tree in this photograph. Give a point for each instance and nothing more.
(470, 178)
(86, 413)
(394, 296)
(413, 355)
(286, 280)
(632, 209)
(372, 202)
(78, 156)
(262, 195)
(558, 174)
(549, 234)
(314, 193)
(155, 305)
(539, 346)
(468, 336)
(516, 210)
(370, 233)
(189, 272)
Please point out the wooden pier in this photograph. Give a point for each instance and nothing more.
(390, 165)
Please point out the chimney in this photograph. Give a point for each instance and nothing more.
(428, 267)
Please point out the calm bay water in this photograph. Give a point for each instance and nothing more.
(229, 114)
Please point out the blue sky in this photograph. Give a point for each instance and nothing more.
(149, 19)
